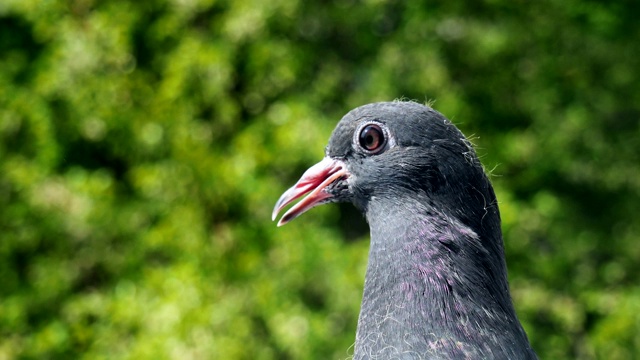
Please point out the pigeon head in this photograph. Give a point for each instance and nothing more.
(392, 152)
(436, 283)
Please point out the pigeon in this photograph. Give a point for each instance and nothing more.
(436, 280)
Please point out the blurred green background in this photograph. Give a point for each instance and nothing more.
(143, 145)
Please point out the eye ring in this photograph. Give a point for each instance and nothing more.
(372, 138)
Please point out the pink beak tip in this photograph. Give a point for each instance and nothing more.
(312, 183)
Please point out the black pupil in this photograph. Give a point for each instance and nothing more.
(371, 137)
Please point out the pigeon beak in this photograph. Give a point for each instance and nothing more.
(313, 182)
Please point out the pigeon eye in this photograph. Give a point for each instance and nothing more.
(372, 138)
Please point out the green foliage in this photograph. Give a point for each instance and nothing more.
(143, 145)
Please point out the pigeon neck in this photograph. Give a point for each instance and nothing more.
(434, 286)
